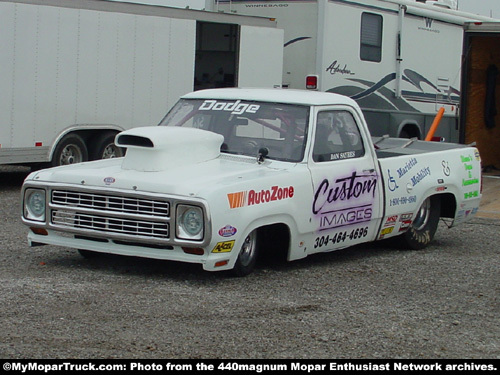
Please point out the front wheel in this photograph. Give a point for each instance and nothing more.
(247, 257)
(424, 225)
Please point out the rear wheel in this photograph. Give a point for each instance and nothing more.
(247, 257)
(424, 225)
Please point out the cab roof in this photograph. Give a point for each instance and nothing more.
(290, 96)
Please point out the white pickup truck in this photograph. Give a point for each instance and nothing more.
(231, 173)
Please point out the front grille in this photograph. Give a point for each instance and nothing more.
(102, 202)
(134, 227)
(124, 215)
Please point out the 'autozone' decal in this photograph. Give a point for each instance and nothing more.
(253, 197)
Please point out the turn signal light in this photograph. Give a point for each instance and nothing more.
(193, 250)
(40, 231)
(221, 263)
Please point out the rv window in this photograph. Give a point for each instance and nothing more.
(371, 37)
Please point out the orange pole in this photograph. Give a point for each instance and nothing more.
(435, 124)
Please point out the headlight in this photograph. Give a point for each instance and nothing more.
(34, 204)
(189, 222)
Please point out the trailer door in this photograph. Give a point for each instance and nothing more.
(260, 57)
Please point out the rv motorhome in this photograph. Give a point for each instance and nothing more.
(399, 59)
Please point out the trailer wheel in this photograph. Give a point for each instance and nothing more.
(70, 150)
(247, 257)
(103, 147)
(424, 225)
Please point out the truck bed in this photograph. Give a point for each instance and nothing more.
(387, 147)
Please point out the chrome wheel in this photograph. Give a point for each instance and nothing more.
(247, 257)
(71, 154)
(423, 215)
(70, 150)
(424, 226)
(248, 249)
(111, 151)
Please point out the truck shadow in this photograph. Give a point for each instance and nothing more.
(178, 271)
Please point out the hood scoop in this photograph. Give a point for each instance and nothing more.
(158, 148)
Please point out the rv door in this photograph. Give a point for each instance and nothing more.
(261, 57)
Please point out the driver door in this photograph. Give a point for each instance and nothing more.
(346, 207)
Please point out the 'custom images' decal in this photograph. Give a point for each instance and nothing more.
(344, 201)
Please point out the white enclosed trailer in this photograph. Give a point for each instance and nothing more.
(399, 59)
(75, 73)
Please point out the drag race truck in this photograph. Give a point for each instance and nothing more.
(233, 173)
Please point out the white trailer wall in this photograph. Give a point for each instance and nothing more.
(258, 45)
(56, 62)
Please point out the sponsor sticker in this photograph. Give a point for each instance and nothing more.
(227, 231)
(385, 232)
(253, 197)
(391, 220)
(223, 247)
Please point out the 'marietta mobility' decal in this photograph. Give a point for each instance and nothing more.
(344, 201)
(253, 197)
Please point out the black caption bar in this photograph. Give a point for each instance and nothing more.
(249, 366)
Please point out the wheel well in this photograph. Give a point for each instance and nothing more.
(88, 135)
(410, 131)
(274, 241)
(448, 205)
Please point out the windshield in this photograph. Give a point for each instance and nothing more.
(247, 127)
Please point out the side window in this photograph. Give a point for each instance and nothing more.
(337, 137)
(371, 37)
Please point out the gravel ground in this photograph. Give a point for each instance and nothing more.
(365, 302)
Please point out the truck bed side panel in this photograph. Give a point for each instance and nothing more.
(410, 179)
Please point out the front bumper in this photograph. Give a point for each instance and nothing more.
(209, 260)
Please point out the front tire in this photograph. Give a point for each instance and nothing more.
(247, 257)
(424, 225)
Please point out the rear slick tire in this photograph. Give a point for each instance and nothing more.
(424, 225)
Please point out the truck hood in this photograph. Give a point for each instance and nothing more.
(173, 161)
